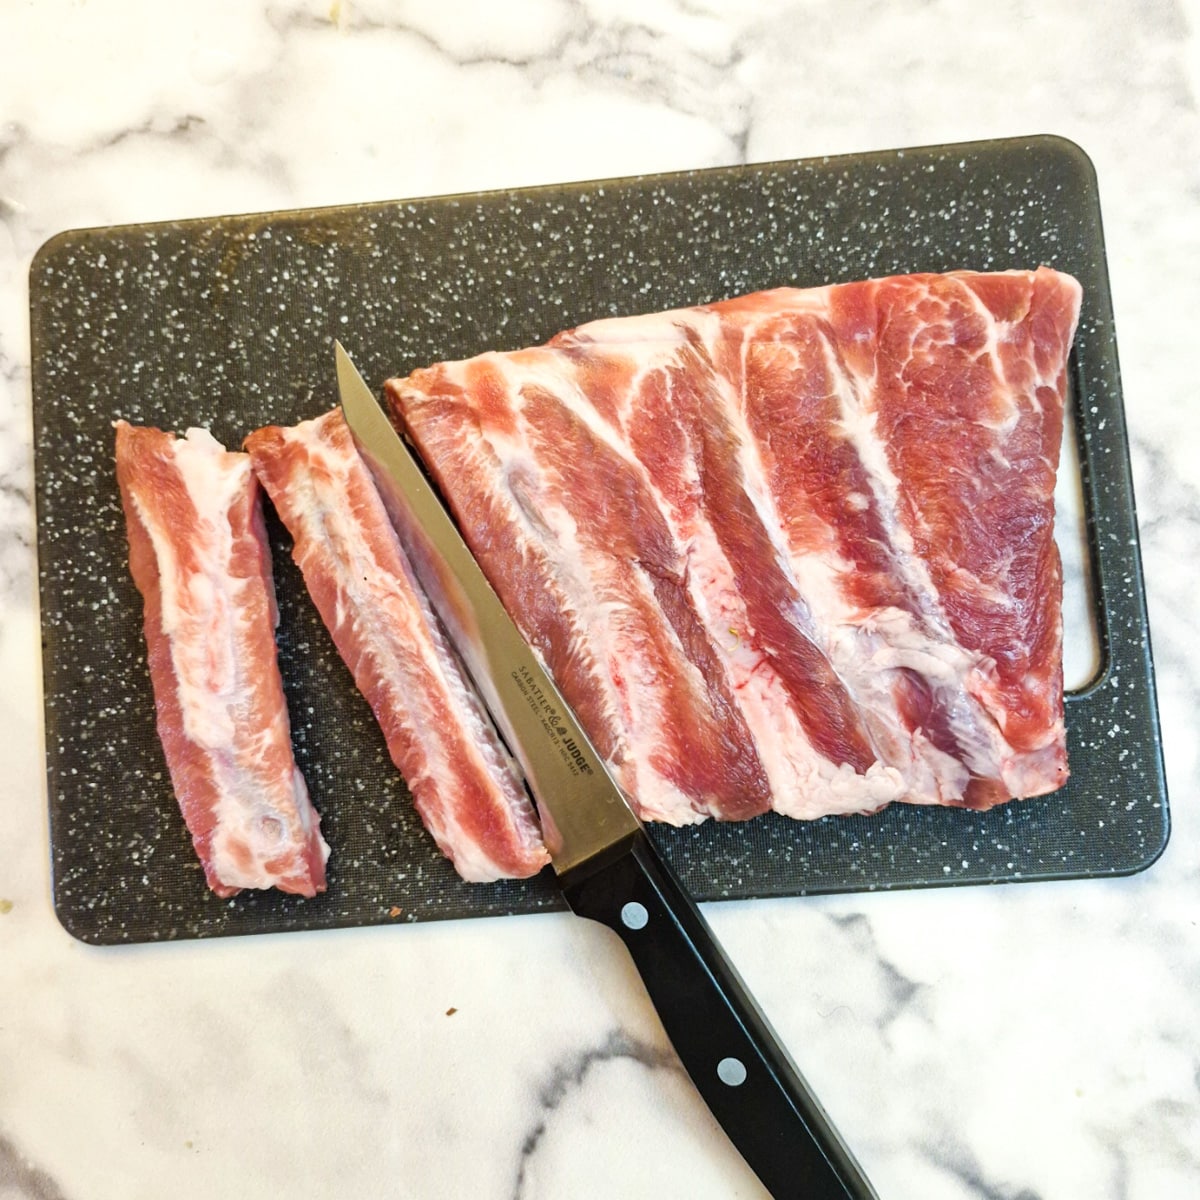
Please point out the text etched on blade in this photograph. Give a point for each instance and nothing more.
(551, 719)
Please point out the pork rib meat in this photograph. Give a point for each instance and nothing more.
(792, 550)
(199, 556)
(463, 783)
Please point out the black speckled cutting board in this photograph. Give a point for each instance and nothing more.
(229, 323)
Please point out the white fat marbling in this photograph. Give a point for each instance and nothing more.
(1020, 1043)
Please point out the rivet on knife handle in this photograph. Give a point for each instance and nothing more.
(720, 1035)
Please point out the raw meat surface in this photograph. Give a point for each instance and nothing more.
(198, 554)
(463, 783)
(792, 550)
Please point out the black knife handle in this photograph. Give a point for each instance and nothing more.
(733, 1056)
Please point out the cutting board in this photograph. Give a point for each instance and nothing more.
(228, 323)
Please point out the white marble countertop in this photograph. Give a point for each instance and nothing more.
(1039, 1042)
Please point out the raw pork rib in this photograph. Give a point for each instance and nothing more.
(793, 550)
(463, 783)
(198, 554)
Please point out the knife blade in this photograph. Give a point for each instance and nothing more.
(608, 869)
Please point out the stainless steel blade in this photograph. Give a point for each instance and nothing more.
(583, 811)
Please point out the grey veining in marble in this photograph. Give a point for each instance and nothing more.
(23, 1180)
(1033, 1043)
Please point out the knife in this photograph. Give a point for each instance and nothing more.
(607, 867)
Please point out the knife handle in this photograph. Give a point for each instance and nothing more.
(733, 1056)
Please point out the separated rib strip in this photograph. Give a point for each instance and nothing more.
(198, 554)
(463, 783)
